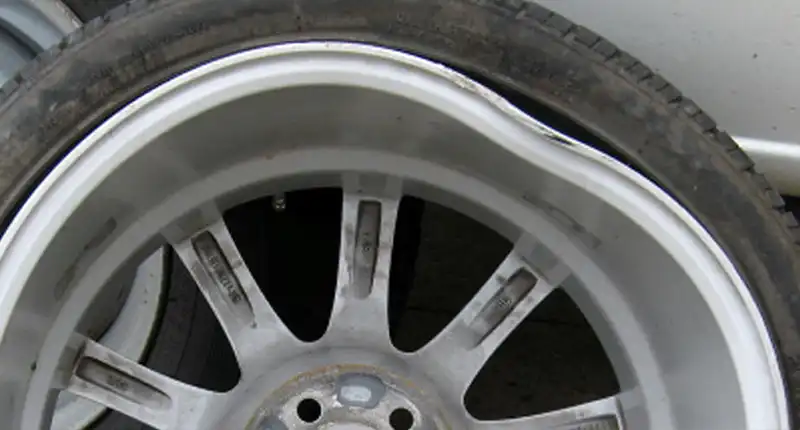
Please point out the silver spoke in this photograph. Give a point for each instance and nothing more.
(522, 281)
(369, 216)
(603, 414)
(250, 322)
(112, 380)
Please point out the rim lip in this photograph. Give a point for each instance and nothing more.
(38, 200)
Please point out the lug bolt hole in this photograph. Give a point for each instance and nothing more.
(309, 410)
(401, 419)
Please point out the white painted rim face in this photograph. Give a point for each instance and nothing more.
(687, 341)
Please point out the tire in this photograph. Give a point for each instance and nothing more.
(539, 58)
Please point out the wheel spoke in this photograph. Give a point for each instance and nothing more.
(522, 281)
(249, 321)
(369, 217)
(603, 414)
(112, 380)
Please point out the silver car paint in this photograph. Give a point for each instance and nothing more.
(738, 59)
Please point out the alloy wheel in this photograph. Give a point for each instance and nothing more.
(689, 346)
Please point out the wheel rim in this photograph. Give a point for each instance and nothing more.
(385, 124)
(12, 56)
(28, 28)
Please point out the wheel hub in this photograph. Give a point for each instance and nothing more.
(350, 397)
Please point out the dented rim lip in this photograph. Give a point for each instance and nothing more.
(12, 237)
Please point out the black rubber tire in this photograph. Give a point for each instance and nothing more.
(631, 111)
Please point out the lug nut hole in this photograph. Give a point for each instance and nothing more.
(401, 419)
(309, 410)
